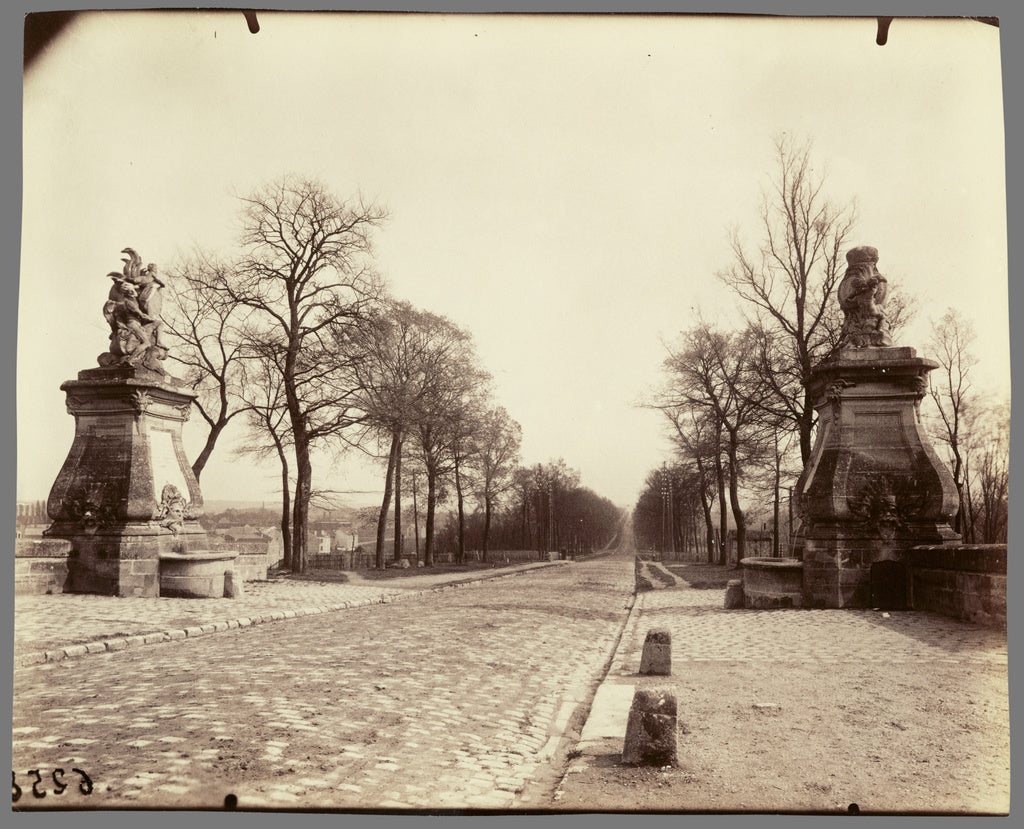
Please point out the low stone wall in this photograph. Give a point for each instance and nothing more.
(250, 567)
(40, 565)
(966, 582)
(253, 557)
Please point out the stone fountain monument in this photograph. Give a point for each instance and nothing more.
(873, 486)
(126, 497)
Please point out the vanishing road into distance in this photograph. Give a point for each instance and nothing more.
(459, 698)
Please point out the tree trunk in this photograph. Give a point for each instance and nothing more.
(723, 515)
(382, 517)
(775, 511)
(303, 489)
(398, 498)
(958, 522)
(806, 426)
(303, 467)
(211, 442)
(487, 527)
(286, 504)
(428, 543)
(734, 500)
(415, 516)
(461, 555)
(705, 503)
(523, 540)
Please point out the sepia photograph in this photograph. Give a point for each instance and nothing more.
(447, 413)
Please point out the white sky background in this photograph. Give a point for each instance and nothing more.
(562, 187)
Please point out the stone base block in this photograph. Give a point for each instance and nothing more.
(656, 659)
(123, 560)
(40, 566)
(651, 729)
(734, 594)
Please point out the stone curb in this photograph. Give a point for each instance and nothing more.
(124, 642)
(587, 747)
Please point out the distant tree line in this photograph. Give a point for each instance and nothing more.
(297, 337)
(544, 508)
(739, 419)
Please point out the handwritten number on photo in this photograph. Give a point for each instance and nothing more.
(60, 784)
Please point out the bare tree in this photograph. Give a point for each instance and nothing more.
(992, 472)
(690, 435)
(402, 360)
(713, 373)
(951, 392)
(207, 330)
(305, 272)
(789, 280)
(451, 378)
(500, 437)
(262, 396)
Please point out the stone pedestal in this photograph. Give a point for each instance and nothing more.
(126, 493)
(874, 486)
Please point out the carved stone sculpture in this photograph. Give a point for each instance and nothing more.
(874, 487)
(862, 295)
(132, 311)
(173, 509)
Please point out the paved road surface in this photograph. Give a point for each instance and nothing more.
(443, 700)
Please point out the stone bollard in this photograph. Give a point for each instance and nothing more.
(651, 729)
(232, 586)
(657, 655)
(734, 594)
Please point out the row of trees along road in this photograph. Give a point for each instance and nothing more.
(542, 507)
(297, 337)
(737, 413)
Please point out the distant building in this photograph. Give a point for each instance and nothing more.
(243, 534)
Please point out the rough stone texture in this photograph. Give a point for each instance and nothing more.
(874, 486)
(657, 654)
(233, 588)
(235, 712)
(772, 582)
(651, 729)
(250, 567)
(42, 548)
(966, 583)
(199, 575)
(40, 566)
(110, 497)
(734, 594)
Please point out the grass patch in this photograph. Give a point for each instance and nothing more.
(703, 576)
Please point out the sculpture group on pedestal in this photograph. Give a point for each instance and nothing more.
(126, 496)
(132, 311)
(873, 487)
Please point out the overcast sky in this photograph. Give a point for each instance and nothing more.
(562, 187)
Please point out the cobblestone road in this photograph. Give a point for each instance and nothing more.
(67, 620)
(703, 630)
(449, 699)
